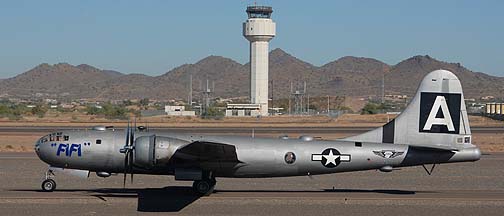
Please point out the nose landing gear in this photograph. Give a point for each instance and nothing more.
(49, 185)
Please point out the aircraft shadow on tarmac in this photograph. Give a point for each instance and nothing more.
(168, 199)
(176, 198)
(392, 192)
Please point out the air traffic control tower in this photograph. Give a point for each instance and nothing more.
(259, 29)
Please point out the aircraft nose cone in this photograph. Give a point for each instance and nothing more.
(43, 149)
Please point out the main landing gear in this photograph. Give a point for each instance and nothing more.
(205, 186)
(49, 185)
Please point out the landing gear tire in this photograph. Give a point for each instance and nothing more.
(48, 185)
(204, 187)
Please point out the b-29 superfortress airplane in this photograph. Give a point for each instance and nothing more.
(433, 129)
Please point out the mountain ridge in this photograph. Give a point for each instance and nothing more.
(348, 75)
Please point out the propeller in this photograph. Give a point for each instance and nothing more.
(132, 139)
(127, 150)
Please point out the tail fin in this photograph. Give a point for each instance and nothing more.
(436, 117)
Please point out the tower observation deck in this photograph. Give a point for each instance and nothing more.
(259, 29)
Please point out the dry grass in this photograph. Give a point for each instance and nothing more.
(489, 142)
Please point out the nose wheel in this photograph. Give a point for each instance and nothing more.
(48, 185)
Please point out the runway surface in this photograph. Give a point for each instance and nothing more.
(454, 189)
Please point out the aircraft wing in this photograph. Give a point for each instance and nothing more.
(206, 155)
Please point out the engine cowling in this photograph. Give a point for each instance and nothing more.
(151, 151)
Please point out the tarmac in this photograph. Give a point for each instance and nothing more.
(474, 188)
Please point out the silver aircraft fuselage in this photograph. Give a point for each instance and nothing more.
(99, 151)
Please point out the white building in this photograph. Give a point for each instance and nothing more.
(241, 110)
(178, 111)
(259, 29)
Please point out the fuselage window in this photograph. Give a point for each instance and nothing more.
(290, 157)
(66, 138)
(358, 144)
(98, 141)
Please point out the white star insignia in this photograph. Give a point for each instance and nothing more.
(330, 158)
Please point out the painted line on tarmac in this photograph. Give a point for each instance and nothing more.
(45, 198)
(14, 158)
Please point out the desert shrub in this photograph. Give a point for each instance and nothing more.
(39, 110)
(372, 108)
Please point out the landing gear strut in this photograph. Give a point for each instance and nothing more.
(49, 185)
(205, 186)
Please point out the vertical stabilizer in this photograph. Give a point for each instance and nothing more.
(436, 117)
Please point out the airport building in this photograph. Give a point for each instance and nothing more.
(240, 110)
(178, 111)
(494, 108)
(494, 111)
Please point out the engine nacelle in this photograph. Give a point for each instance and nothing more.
(151, 151)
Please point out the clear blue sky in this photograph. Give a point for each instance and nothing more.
(152, 37)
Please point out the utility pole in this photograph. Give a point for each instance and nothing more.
(189, 99)
(383, 88)
(206, 96)
(304, 92)
(290, 95)
(308, 105)
(327, 104)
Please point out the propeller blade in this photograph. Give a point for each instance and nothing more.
(127, 133)
(130, 165)
(128, 153)
(133, 130)
(124, 181)
(125, 169)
